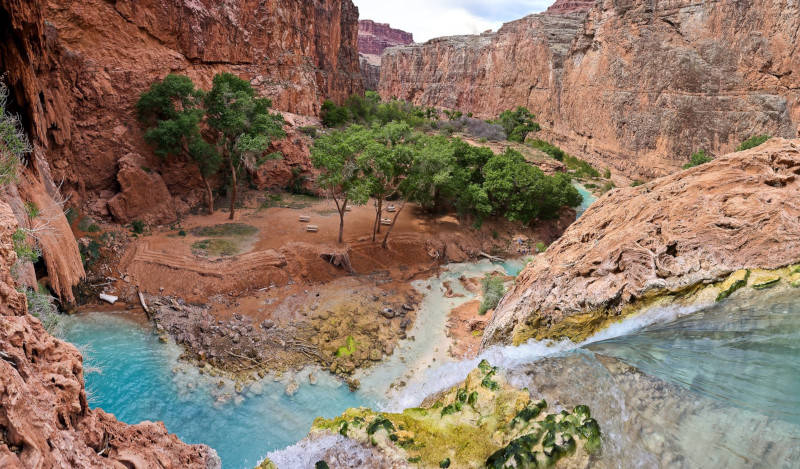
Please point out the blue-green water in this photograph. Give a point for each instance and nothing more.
(720, 387)
(137, 383)
(743, 354)
(588, 198)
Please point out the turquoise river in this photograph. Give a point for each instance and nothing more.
(713, 388)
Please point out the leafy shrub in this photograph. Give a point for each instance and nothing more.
(541, 247)
(581, 168)
(137, 226)
(32, 210)
(333, 115)
(753, 142)
(607, 187)
(310, 130)
(90, 253)
(14, 143)
(25, 252)
(607, 173)
(637, 183)
(42, 306)
(493, 291)
(698, 158)
(549, 148)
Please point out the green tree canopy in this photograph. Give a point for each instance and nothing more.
(244, 125)
(173, 110)
(337, 156)
(518, 124)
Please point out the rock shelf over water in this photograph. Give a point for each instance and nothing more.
(661, 242)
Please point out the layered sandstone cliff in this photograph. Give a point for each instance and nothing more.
(664, 240)
(45, 421)
(565, 7)
(640, 86)
(520, 64)
(78, 67)
(373, 39)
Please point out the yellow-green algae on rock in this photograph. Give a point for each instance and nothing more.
(582, 325)
(482, 422)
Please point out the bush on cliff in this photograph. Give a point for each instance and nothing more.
(753, 142)
(14, 144)
(552, 150)
(370, 109)
(493, 291)
(698, 158)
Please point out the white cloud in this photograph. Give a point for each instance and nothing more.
(433, 18)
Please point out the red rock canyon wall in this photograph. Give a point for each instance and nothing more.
(636, 85)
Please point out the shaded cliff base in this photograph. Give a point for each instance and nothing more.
(687, 238)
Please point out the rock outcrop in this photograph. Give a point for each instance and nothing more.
(373, 39)
(684, 235)
(45, 420)
(636, 86)
(77, 68)
(566, 7)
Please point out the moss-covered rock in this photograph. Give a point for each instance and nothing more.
(794, 280)
(736, 281)
(766, 281)
(480, 422)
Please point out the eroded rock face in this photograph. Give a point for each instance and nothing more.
(670, 236)
(518, 65)
(78, 67)
(636, 85)
(45, 420)
(144, 195)
(373, 39)
(565, 7)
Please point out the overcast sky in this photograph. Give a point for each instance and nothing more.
(433, 18)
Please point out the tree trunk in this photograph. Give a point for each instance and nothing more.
(341, 210)
(385, 243)
(377, 228)
(233, 186)
(210, 194)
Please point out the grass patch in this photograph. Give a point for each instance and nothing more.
(225, 230)
(580, 168)
(215, 247)
(293, 201)
(552, 150)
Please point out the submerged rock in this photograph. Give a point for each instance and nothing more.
(482, 422)
(686, 238)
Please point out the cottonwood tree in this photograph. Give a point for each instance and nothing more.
(173, 110)
(385, 163)
(336, 156)
(244, 125)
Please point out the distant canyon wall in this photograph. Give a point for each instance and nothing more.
(373, 39)
(635, 85)
(85, 63)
